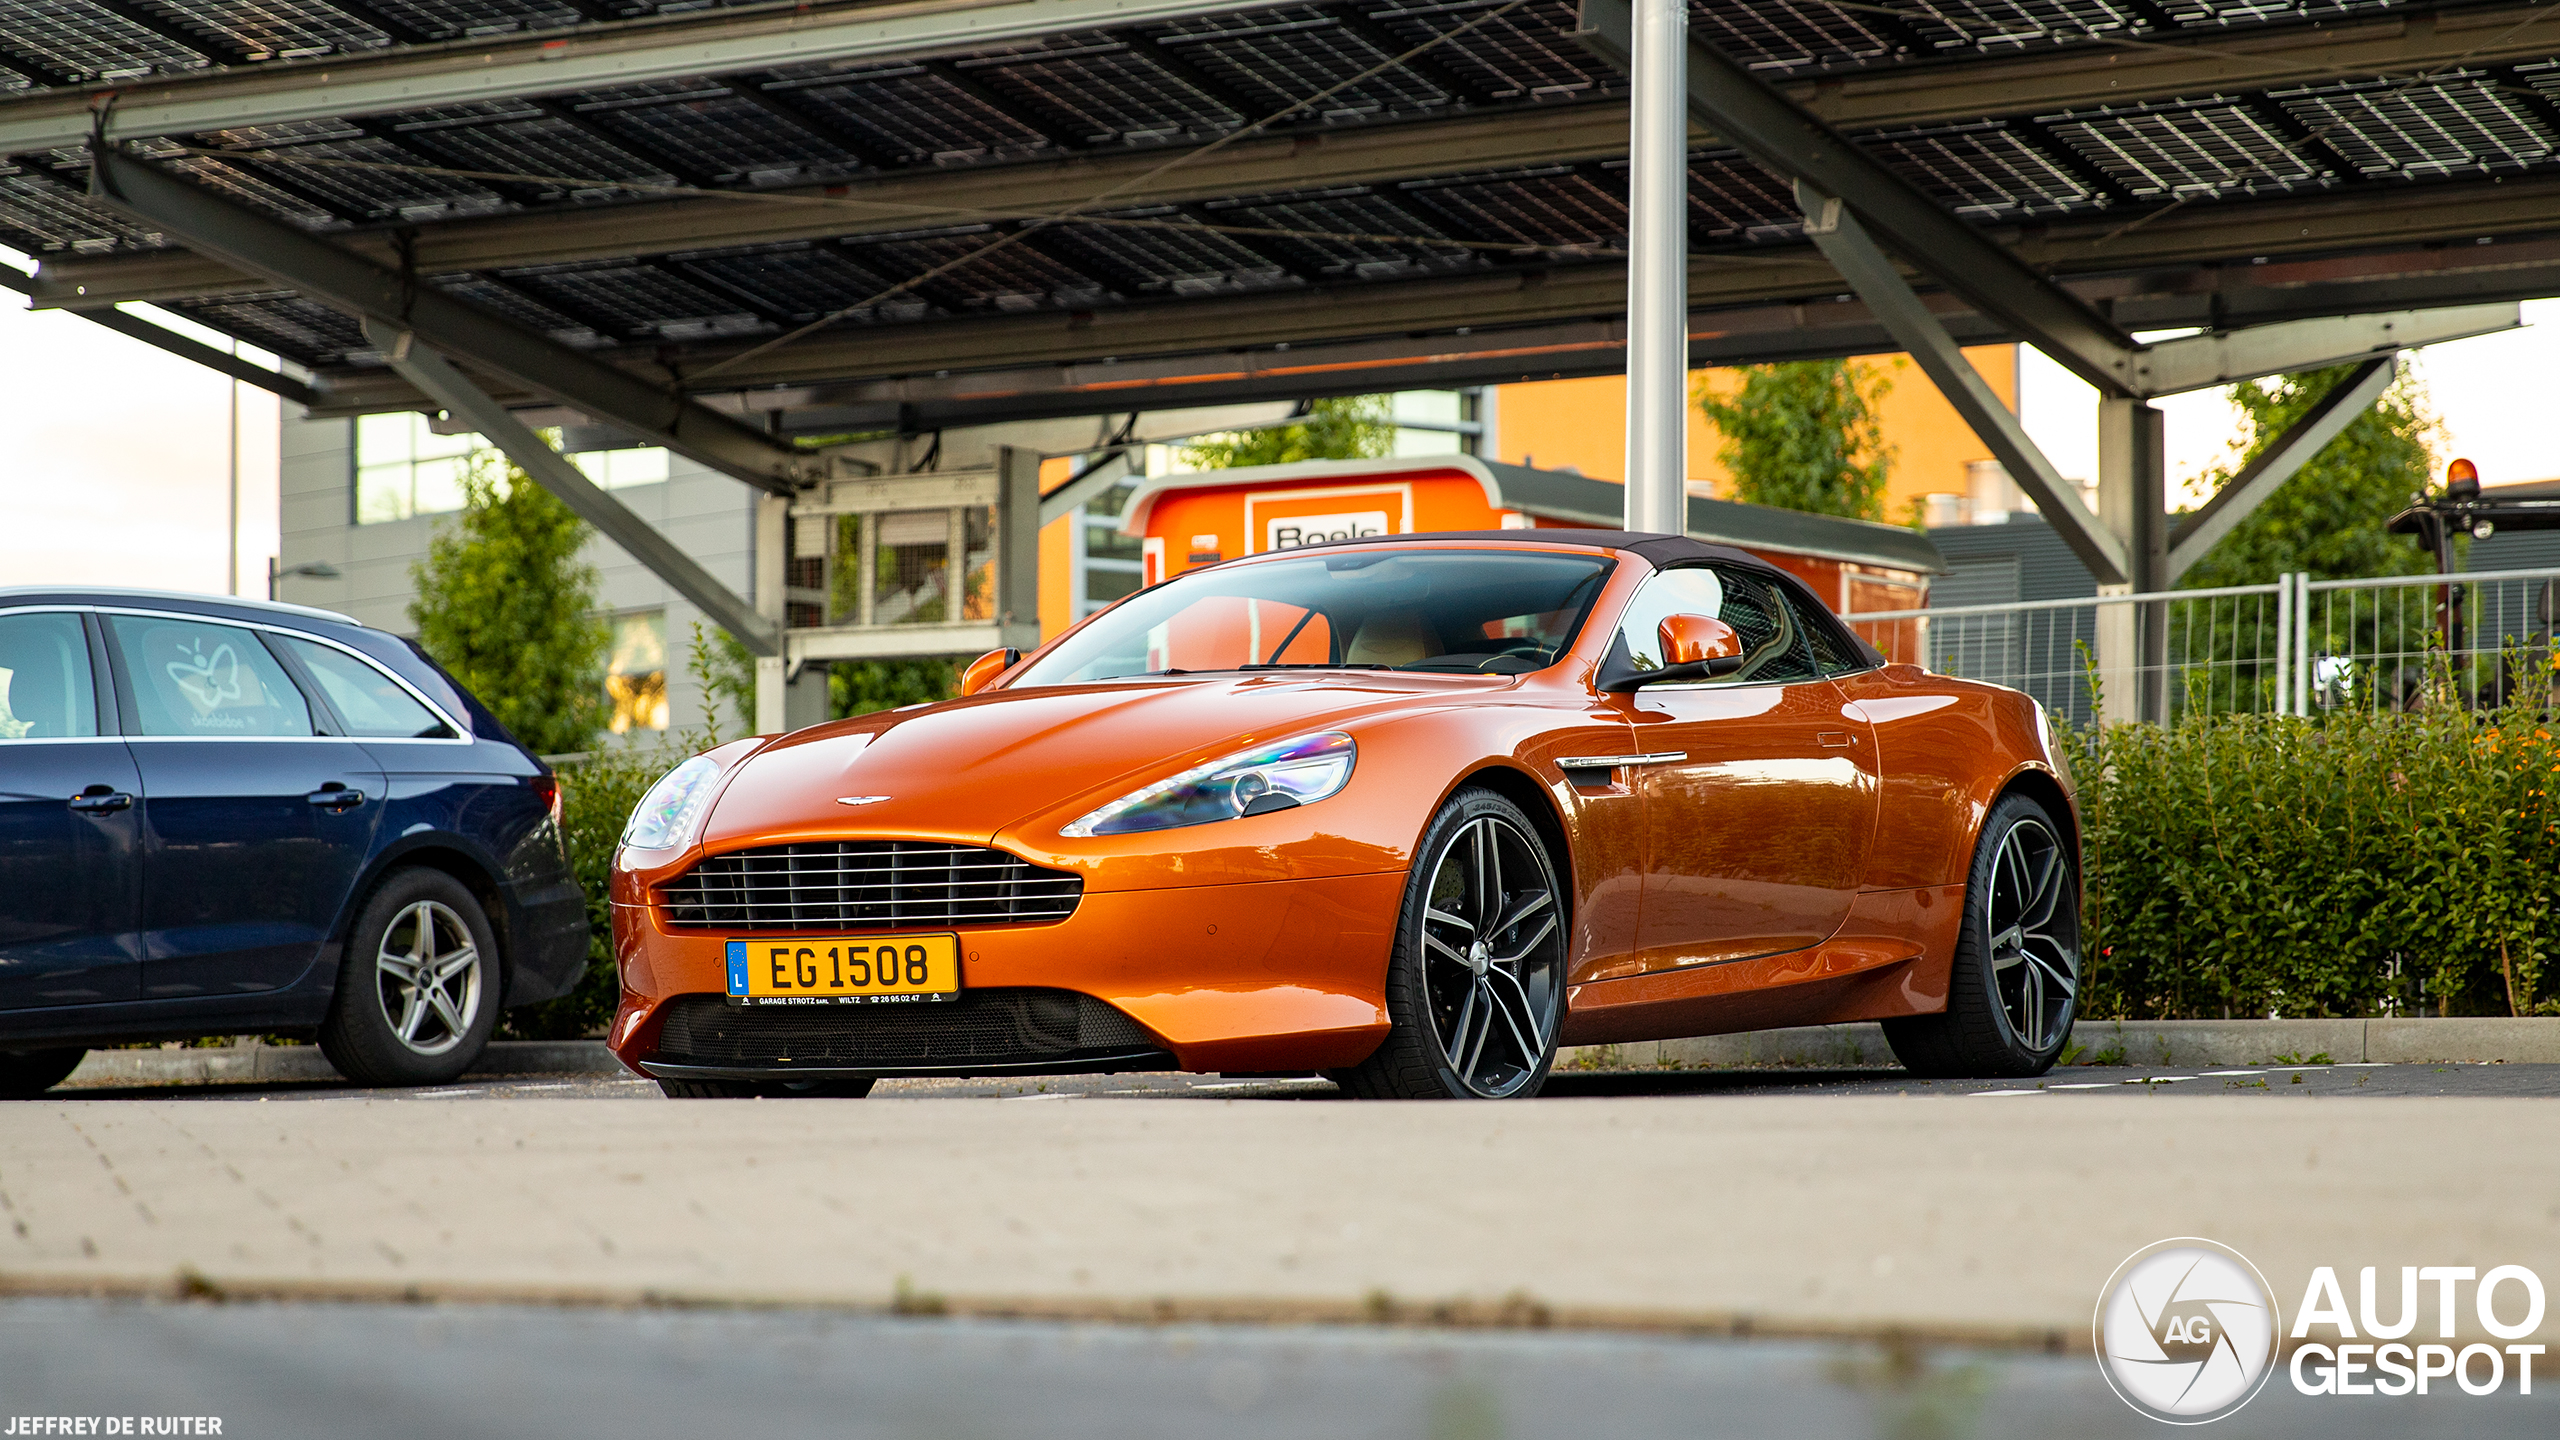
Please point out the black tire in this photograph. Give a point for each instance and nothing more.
(1514, 929)
(774, 1089)
(2014, 991)
(364, 1034)
(27, 1073)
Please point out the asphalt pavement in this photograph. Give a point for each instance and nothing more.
(2306, 1081)
(954, 1258)
(457, 1372)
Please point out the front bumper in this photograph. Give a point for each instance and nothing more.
(1279, 975)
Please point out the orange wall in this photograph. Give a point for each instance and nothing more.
(1057, 595)
(1582, 425)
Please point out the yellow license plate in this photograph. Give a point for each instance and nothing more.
(845, 969)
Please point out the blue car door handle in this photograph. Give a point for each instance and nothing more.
(334, 796)
(101, 800)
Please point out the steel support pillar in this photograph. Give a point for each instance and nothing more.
(2271, 467)
(2133, 640)
(784, 701)
(1658, 271)
(218, 226)
(1846, 244)
(792, 686)
(553, 471)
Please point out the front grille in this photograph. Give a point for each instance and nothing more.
(992, 1027)
(862, 884)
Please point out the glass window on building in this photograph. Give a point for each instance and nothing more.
(1433, 422)
(1112, 562)
(405, 469)
(912, 579)
(620, 469)
(636, 675)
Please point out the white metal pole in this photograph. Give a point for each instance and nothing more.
(2284, 644)
(1658, 272)
(231, 563)
(2302, 642)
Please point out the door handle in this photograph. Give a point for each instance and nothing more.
(101, 800)
(335, 796)
(1835, 739)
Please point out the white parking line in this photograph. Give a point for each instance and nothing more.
(563, 1086)
(2158, 1079)
(2085, 1085)
(2008, 1092)
(439, 1094)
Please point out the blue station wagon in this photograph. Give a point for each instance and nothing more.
(221, 816)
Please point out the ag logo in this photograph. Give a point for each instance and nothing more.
(2186, 1331)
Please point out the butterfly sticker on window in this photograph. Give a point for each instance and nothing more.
(208, 680)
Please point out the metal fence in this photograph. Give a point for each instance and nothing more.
(2295, 647)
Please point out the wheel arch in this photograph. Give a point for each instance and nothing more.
(2046, 789)
(440, 853)
(1522, 789)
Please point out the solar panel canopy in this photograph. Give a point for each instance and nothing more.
(1448, 173)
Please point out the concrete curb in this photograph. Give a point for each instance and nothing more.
(1376, 1310)
(252, 1063)
(2162, 1043)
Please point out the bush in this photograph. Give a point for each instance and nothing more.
(505, 603)
(598, 792)
(2353, 864)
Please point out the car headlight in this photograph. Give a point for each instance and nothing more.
(666, 816)
(1249, 782)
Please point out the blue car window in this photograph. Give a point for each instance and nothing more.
(45, 692)
(371, 703)
(198, 679)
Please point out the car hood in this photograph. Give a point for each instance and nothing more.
(965, 770)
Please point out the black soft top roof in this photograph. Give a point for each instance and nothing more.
(1662, 550)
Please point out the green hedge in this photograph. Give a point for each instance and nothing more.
(2346, 865)
(598, 792)
(597, 796)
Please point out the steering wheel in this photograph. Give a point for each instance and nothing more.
(1528, 649)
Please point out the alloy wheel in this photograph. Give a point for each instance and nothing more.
(1493, 965)
(427, 977)
(2035, 934)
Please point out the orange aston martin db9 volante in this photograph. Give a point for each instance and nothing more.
(1409, 812)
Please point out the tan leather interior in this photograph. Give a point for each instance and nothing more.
(1392, 639)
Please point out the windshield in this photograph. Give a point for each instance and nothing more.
(1486, 612)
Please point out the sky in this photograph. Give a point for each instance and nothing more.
(115, 467)
(114, 458)
(2487, 391)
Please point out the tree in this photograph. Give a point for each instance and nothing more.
(2328, 519)
(861, 687)
(1803, 435)
(503, 603)
(1353, 428)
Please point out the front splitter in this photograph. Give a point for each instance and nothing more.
(1128, 1061)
